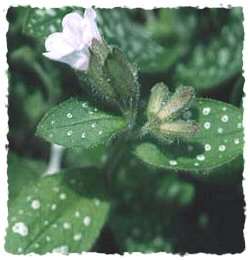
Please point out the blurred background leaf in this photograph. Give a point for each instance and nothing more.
(216, 57)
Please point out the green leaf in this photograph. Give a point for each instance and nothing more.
(41, 22)
(142, 230)
(218, 142)
(173, 190)
(36, 101)
(216, 61)
(75, 123)
(119, 29)
(80, 157)
(62, 213)
(135, 218)
(172, 25)
(18, 175)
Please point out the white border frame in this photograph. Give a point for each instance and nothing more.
(147, 4)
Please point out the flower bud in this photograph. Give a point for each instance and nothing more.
(179, 128)
(95, 76)
(112, 77)
(122, 76)
(158, 97)
(177, 103)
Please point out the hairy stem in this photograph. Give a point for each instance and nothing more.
(116, 151)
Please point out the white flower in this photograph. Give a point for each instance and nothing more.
(71, 46)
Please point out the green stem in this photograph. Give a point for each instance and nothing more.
(117, 150)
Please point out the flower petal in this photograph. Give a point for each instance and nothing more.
(78, 60)
(53, 55)
(57, 43)
(73, 29)
(71, 46)
(90, 27)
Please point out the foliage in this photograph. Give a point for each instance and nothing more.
(151, 131)
(218, 141)
(62, 213)
(75, 123)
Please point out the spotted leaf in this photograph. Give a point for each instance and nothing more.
(75, 123)
(218, 142)
(62, 213)
(119, 29)
(218, 61)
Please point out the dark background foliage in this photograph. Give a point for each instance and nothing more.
(152, 210)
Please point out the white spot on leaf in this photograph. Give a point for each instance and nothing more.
(53, 206)
(66, 225)
(56, 189)
(77, 237)
(224, 118)
(21, 229)
(35, 204)
(207, 147)
(62, 196)
(62, 250)
(69, 115)
(222, 148)
(220, 130)
(207, 125)
(200, 157)
(206, 111)
(19, 250)
(173, 162)
(69, 133)
(87, 221)
(97, 202)
(236, 140)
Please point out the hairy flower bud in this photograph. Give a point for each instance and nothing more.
(112, 77)
(179, 128)
(163, 113)
(95, 77)
(177, 103)
(122, 76)
(159, 96)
